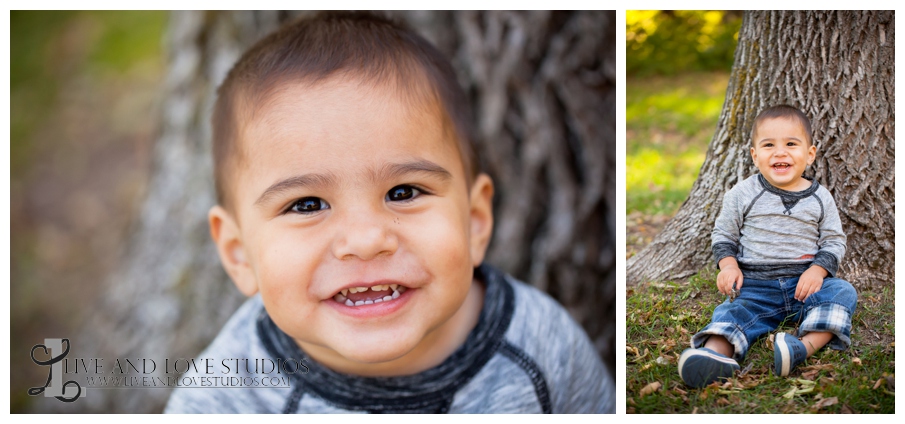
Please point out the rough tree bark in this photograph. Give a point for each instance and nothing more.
(839, 68)
(543, 88)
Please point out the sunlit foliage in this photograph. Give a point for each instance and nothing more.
(667, 42)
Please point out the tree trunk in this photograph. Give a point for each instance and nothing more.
(837, 67)
(543, 89)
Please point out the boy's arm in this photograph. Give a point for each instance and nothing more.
(724, 239)
(724, 243)
(831, 243)
(831, 247)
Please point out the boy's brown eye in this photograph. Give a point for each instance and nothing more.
(309, 205)
(402, 192)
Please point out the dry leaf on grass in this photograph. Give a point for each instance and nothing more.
(856, 361)
(817, 367)
(769, 342)
(823, 403)
(846, 410)
(810, 375)
(650, 388)
(722, 402)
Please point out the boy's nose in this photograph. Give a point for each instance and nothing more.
(364, 237)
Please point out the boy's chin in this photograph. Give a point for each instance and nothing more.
(377, 350)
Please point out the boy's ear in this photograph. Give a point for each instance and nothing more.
(481, 217)
(225, 232)
(812, 154)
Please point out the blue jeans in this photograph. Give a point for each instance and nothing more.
(762, 305)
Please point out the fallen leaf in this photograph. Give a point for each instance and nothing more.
(678, 390)
(695, 410)
(810, 375)
(817, 367)
(856, 361)
(650, 388)
(790, 393)
(722, 402)
(878, 383)
(846, 410)
(769, 342)
(825, 402)
(662, 361)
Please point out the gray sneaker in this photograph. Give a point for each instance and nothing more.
(700, 367)
(788, 353)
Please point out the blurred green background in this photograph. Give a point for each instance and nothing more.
(678, 65)
(84, 96)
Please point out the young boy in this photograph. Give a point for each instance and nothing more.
(778, 242)
(353, 212)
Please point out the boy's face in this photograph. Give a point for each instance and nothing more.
(341, 186)
(781, 152)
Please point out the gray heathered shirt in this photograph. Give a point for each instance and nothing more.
(774, 233)
(525, 355)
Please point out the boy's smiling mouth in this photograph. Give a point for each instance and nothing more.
(364, 295)
(781, 166)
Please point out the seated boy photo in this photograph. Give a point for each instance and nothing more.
(777, 242)
(353, 212)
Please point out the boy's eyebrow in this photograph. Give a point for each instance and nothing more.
(388, 171)
(395, 170)
(784, 138)
(307, 180)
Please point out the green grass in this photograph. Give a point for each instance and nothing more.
(669, 123)
(661, 318)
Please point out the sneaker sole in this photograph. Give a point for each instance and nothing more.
(710, 368)
(785, 359)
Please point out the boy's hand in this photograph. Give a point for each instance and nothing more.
(810, 282)
(729, 274)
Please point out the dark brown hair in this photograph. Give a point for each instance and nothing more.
(372, 48)
(783, 111)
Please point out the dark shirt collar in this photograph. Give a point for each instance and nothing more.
(789, 194)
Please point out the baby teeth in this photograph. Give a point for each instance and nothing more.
(397, 291)
(345, 292)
